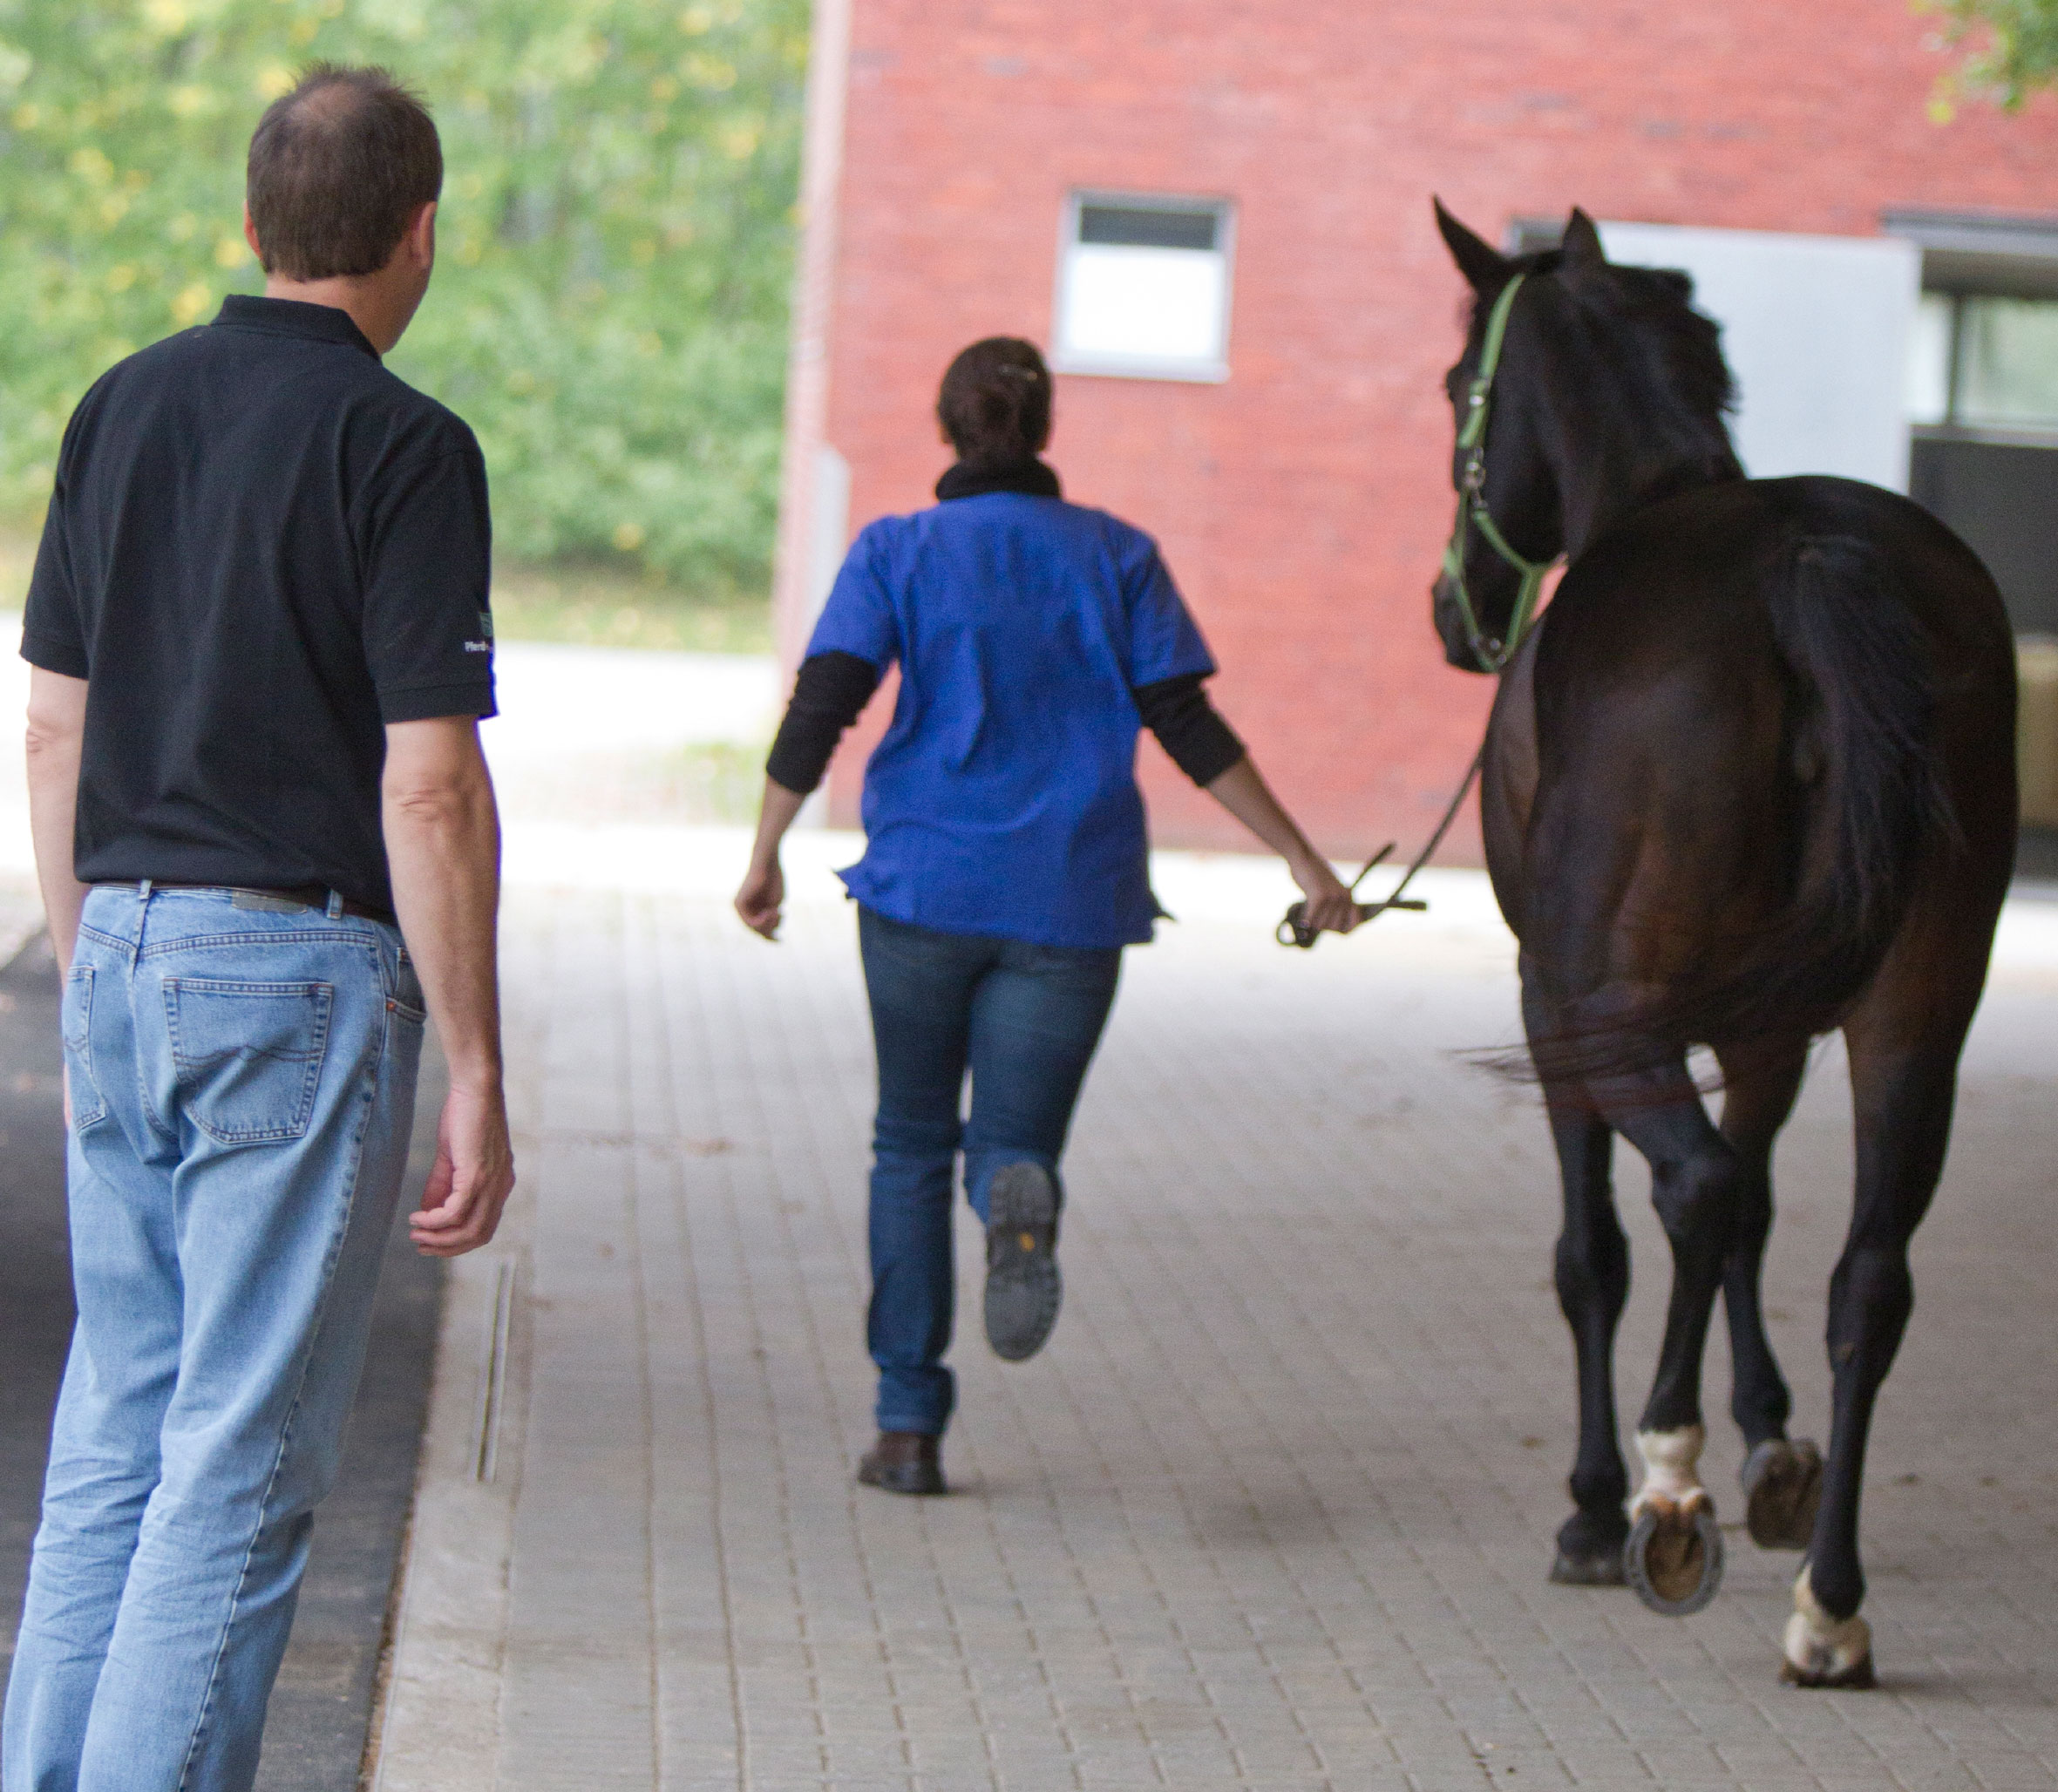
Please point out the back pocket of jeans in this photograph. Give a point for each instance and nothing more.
(250, 1055)
(87, 1103)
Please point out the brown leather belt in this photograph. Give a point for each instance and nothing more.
(301, 896)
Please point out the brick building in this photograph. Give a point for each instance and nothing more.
(1252, 185)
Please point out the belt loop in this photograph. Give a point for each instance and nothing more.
(143, 891)
(335, 905)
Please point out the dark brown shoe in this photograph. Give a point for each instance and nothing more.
(903, 1462)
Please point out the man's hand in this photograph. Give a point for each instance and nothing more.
(470, 1181)
(760, 898)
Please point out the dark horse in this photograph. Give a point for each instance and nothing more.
(1750, 779)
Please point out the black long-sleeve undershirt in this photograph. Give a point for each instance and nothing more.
(834, 686)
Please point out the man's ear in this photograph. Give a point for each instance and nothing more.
(1482, 264)
(419, 242)
(250, 235)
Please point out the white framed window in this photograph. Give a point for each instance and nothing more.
(1143, 286)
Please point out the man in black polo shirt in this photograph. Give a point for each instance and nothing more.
(260, 644)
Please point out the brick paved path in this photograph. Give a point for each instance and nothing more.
(1274, 1508)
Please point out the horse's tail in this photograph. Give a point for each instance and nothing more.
(1876, 799)
(1873, 801)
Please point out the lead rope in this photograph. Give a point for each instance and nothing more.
(1493, 654)
(1294, 930)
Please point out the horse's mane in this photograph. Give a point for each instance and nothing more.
(1648, 313)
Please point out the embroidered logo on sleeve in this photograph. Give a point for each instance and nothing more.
(485, 643)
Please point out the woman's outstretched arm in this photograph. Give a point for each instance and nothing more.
(1243, 793)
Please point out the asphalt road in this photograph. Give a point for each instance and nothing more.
(321, 1710)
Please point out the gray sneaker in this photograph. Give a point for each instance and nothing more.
(1024, 1288)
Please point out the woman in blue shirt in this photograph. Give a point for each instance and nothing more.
(1005, 861)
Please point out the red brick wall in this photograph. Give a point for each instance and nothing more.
(1302, 505)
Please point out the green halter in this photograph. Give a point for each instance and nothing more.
(1472, 503)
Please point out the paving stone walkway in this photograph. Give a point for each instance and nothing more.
(1273, 1509)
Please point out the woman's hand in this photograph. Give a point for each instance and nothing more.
(759, 899)
(1331, 908)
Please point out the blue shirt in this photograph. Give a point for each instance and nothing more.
(1003, 800)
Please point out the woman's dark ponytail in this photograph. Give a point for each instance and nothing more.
(995, 404)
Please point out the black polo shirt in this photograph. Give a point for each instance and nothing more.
(261, 547)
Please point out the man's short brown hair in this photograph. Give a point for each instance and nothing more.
(337, 167)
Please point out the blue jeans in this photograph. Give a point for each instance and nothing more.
(242, 1090)
(1023, 1020)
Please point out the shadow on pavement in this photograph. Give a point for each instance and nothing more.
(322, 1710)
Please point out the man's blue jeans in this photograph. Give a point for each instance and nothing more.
(1024, 1021)
(242, 1090)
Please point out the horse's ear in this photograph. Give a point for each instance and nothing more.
(1582, 243)
(1481, 263)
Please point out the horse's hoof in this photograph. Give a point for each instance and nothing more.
(1824, 1650)
(1857, 1677)
(1674, 1558)
(1590, 1549)
(1781, 1488)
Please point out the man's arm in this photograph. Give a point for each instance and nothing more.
(56, 732)
(442, 843)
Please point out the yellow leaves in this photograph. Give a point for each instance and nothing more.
(469, 250)
(649, 345)
(180, 229)
(628, 537)
(26, 117)
(701, 18)
(190, 100)
(304, 31)
(113, 207)
(91, 164)
(664, 89)
(643, 251)
(710, 73)
(15, 65)
(121, 277)
(740, 141)
(520, 381)
(190, 302)
(274, 80)
(470, 187)
(166, 17)
(231, 252)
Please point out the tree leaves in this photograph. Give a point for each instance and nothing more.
(615, 236)
(2016, 52)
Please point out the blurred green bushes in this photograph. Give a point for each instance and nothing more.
(616, 238)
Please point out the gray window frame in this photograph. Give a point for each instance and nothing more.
(1145, 366)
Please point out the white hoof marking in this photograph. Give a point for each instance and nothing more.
(1670, 1481)
(1820, 1645)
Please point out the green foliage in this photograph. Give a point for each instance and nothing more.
(615, 237)
(2015, 52)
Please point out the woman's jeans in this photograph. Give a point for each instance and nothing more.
(1024, 1021)
(243, 1090)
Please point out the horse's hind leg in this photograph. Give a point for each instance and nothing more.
(1781, 1481)
(1903, 1093)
